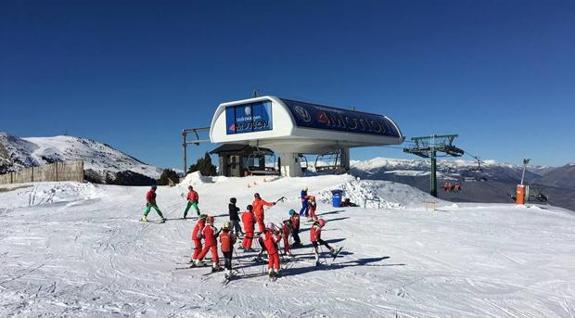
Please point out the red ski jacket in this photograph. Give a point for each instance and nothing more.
(295, 221)
(193, 196)
(227, 240)
(286, 229)
(258, 205)
(209, 234)
(271, 241)
(197, 232)
(315, 233)
(151, 197)
(249, 221)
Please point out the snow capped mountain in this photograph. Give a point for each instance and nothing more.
(99, 159)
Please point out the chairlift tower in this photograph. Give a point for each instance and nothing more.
(428, 147)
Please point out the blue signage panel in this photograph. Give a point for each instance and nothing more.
(248, 118)
(330, 118)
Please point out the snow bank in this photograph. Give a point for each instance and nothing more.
(46, 193)
(377, 194)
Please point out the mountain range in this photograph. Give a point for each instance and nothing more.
(102, 162)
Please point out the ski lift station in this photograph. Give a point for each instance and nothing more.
(272, 135)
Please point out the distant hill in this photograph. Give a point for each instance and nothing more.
(102, 163)
(492, 182)
(563, 177)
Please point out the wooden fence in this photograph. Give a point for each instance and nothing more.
(58, 171)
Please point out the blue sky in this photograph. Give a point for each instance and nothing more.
(133, 74)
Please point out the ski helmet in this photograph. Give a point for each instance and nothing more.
(291, 212)
(154, 187)
(233, 200)
(210, 219)
(321, 222)
(226, 225)
(249, 207)
(190, 188)
(256, 195)
(203, 216)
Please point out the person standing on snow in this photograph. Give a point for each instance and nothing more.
(312, 207)
(258, 205)
(316, 241)
(193, 200)
(294, 217)
(151, 203)
(234, 217)
(209, 233)
(286, 231)
(272, 236)
(227, 241)
(304, 203)
(197, 237)
(249, 221)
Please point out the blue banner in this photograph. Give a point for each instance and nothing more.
(330, 118)
(248, 118)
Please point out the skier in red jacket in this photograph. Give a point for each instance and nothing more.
(272, 235)
(249, 220)
(197, 237)
(312, 207)
(193, 200)
(151, 203)
(227, 240)
(286, 232)
(258, 205)
(294, 217)
(209, 233)
(316, 241)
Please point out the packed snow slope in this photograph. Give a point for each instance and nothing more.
(78, 250)
(97, 156)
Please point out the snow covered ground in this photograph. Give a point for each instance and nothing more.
(78, 250)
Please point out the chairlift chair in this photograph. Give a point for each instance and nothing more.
(329, 163)
(269, 163)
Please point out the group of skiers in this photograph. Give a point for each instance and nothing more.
(205, 235)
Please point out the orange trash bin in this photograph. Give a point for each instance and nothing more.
(520, 194)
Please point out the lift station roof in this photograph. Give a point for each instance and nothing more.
(291, 126)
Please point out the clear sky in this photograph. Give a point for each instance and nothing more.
(133, 74)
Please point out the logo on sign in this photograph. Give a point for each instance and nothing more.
(302, 113)
(248, 111)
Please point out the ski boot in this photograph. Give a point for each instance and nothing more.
(144, 219)
(198, 263)
(216, 268)
(163, 220)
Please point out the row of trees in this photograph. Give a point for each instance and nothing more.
(203, 165)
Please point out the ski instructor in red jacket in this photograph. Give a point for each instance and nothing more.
(258, 206)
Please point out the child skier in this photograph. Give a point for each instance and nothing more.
(193, 200)
(312, 207)
(197, 237)
(227, 240)
(151, 203)
(294, 217)
(272, 236)
(258, 205)
(304, 203)
(316, 241)
(235, 217)
(249, 220)
(286, 231)
(209, 233)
